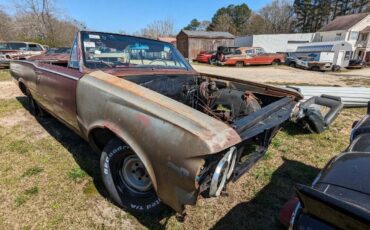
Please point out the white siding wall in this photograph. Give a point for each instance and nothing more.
(245, 41)
(330, 36)
(273, 43)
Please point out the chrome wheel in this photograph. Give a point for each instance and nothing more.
(134, 174)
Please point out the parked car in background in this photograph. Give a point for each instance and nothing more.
(206, 56)
(224, 50)
(320, 61)
(57, 56)
(251, 56)
(339, 197)
(18, 51)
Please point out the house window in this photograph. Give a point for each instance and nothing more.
(354, 35)
(347, 56)
(338, 36)
(364, 37)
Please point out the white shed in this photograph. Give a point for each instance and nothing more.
(274, 43)
(342, 50)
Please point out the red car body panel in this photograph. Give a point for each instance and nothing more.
(252, 58)
(51, 58)
(204, 57)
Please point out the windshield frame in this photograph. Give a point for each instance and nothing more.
(176, 53)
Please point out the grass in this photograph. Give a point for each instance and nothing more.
(9, 105)
(32, 171)
(50, 179)
(363, 82)
(4, 75)
(76, 174)
(26, 195)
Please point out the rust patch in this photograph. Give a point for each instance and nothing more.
(217, 134)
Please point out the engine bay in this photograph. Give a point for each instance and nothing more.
(222, 100)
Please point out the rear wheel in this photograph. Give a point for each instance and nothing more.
(127, 180)
(315, 68)
(275, 62)
(239, 64)
(293, 65)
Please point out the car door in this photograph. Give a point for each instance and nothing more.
(58, 85)
(261, 57)
(250, 57)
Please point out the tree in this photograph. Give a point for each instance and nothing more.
(311, 15)
(278, 16)
(257, 25)
(159, 28)
(197, 25)
(303, 10)
(5, 26)
(193, 25)
(37, 20)
(233, 19)
(223, 22)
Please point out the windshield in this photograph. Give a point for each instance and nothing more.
(13, 46)
(59, 51)
(102, 50)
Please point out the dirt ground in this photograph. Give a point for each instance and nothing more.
(286, 75)
(50, 178)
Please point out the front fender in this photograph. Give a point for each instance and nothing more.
(170, 138)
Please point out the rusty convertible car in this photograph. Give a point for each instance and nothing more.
(166, 134)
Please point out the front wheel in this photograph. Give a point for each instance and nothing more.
(239, 64)
(127, 180)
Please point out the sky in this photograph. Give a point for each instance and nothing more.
(131, 16)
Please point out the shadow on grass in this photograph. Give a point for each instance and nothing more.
(89, 161)
(294, 129)
(262, 211)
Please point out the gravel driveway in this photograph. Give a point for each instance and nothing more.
(284, 74)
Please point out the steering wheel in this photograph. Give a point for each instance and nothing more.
(160, 60)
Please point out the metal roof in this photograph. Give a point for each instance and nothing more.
(207, 34)
(321, 46)
(350, 96)
(344, 22)
(366, 30)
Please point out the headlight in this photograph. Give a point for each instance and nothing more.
(223, 172)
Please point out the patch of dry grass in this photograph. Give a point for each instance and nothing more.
(363, 82)
(4, 75)
(49, 179)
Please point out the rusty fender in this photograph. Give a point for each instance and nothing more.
(169, 137)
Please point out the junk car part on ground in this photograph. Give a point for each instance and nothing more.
(350, 96)
(165, 133)
(339, 197)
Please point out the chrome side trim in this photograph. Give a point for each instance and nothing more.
(48, 70)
